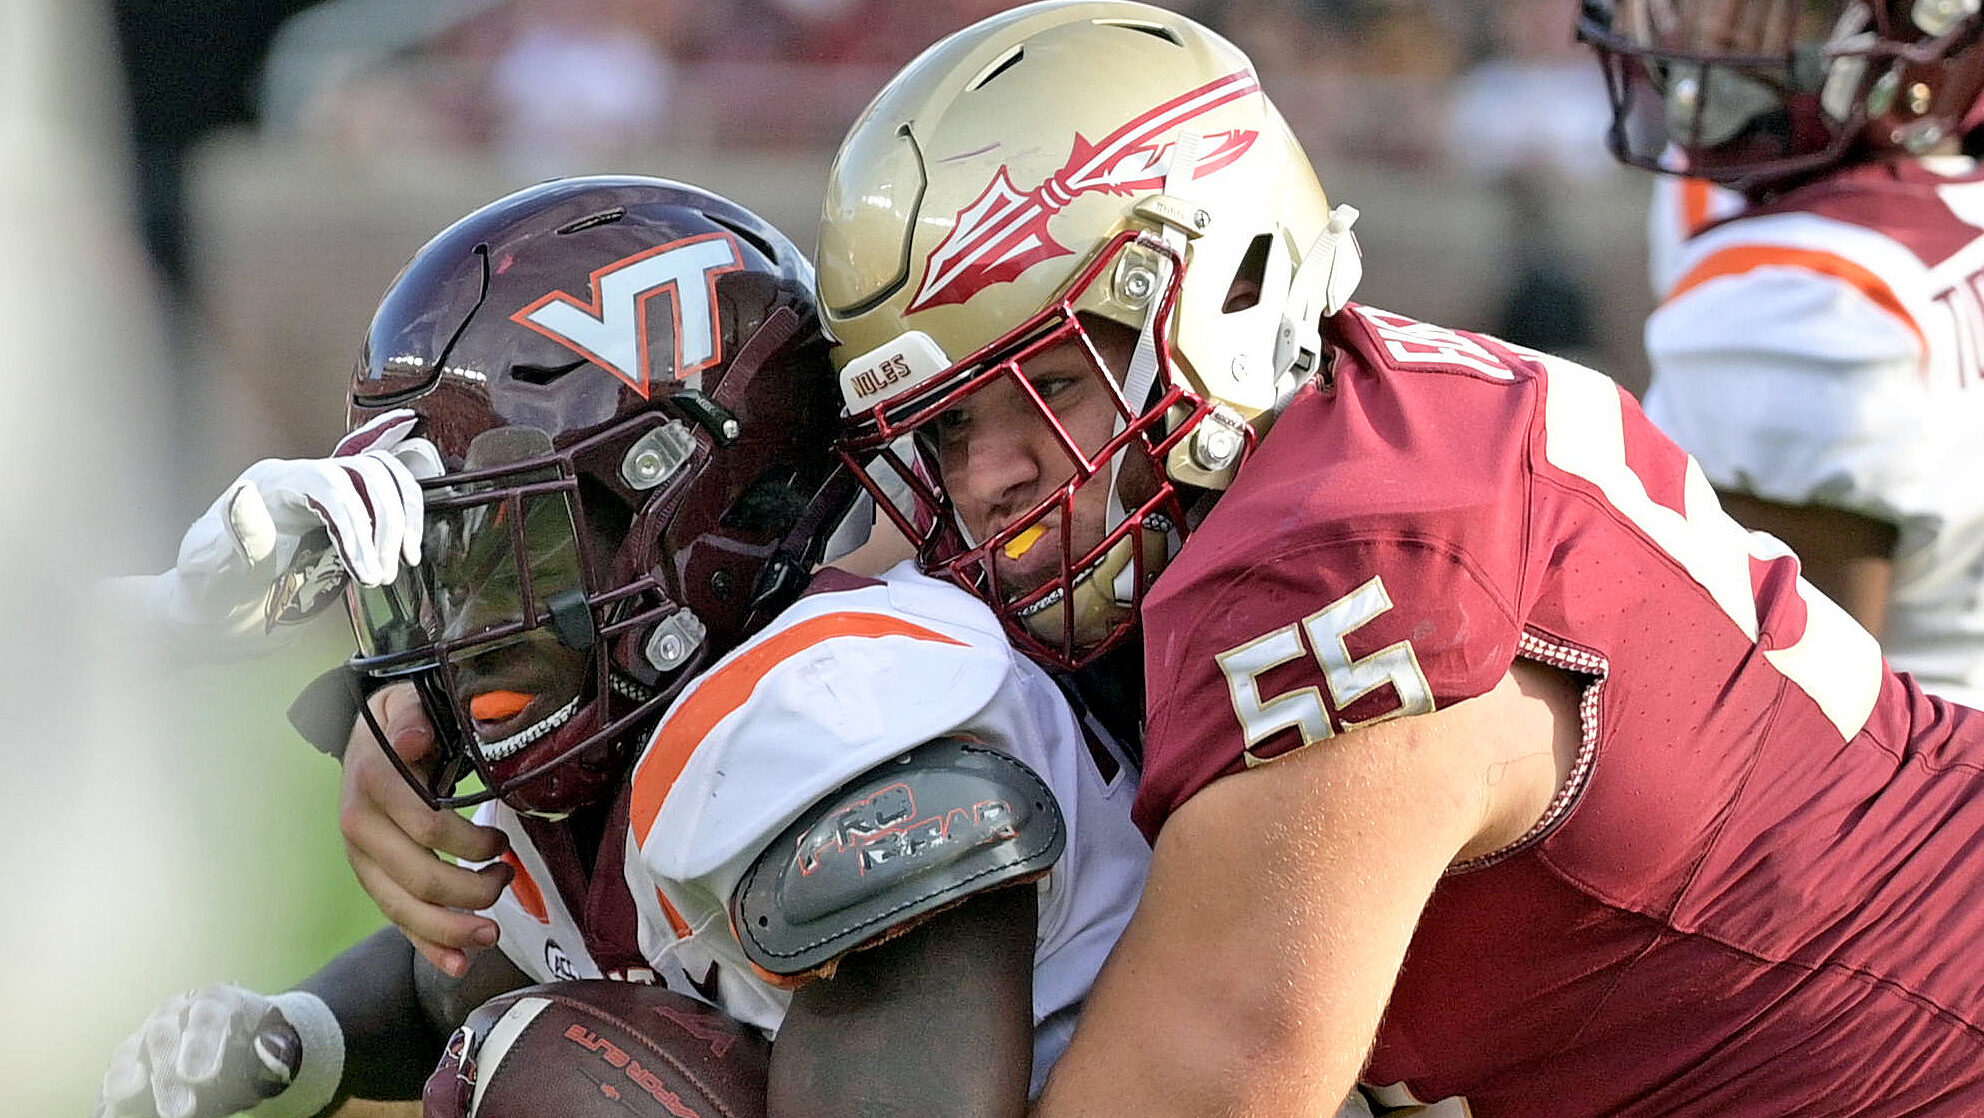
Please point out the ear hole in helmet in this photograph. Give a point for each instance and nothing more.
(768, 508)
(1245, 291)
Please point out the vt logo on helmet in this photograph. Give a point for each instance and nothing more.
(1041, 382)
(629, 393)
(672, 286)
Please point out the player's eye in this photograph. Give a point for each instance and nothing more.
(950, 426)
(1051, 387)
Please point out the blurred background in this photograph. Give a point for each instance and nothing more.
(201, 200)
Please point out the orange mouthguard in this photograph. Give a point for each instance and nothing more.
(494, 706)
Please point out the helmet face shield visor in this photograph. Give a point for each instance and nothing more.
(493, 626)
(500, 556)
(1032, 472)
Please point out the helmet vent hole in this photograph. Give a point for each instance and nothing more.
(751, 238)
(603, 217)
(999, 66)
(1244, 293)
(542, 375)
(1155, 30)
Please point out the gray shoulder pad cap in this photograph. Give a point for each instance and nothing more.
(901, 841)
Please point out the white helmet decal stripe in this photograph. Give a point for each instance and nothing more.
(1002, 232)
(611, 328)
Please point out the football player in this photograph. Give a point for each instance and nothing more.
(626, 389)
(1819, 345)
(1486, 757)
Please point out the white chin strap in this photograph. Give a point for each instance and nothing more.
(1138, 378)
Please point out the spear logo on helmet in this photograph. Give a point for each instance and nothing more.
(1004, 232)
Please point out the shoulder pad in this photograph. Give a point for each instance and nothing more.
(889, 848)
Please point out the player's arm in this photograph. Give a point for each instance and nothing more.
(370, 1024)
(902, 909)
(1804, 401)
(1849, 557)
(938, 1021)
(1281, 901)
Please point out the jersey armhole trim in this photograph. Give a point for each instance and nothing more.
(1595, 668)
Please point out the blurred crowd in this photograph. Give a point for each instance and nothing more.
(376, 97)
(550, 82)
(561, 86)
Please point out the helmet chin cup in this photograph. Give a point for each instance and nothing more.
(1103, 601)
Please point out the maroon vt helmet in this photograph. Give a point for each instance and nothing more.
(628, 387)
(1760, 94)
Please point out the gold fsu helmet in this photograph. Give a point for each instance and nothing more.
(1044, 171)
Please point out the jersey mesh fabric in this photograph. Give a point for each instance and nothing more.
(1762, 896)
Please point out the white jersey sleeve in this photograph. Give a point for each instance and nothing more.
(843, 681)
(1837, 359)
(1789, 361)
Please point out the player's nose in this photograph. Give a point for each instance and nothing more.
(1000, 468)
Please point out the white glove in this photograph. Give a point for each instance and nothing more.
(250, 562)
(220, 1050)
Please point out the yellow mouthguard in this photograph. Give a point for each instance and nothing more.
(1021, 544)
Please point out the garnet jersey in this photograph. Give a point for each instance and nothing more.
(855, 673)
(1827, 349)
(1761, 891)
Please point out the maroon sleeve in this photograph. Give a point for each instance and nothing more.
(1249, 661)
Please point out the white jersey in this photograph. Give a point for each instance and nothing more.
(856, 672)
(1825, 349)
(1680, 208)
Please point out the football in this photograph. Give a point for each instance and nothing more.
(594, 1049)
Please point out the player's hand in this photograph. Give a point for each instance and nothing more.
(222, 1049)
(247, 562)
(391, 838)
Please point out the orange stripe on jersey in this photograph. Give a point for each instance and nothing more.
(730, 686)
(1695, 197)
(527, 893)
(1743, 258)
(675, 921)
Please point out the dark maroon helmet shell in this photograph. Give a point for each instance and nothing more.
(1887, 85)
(598, 311)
